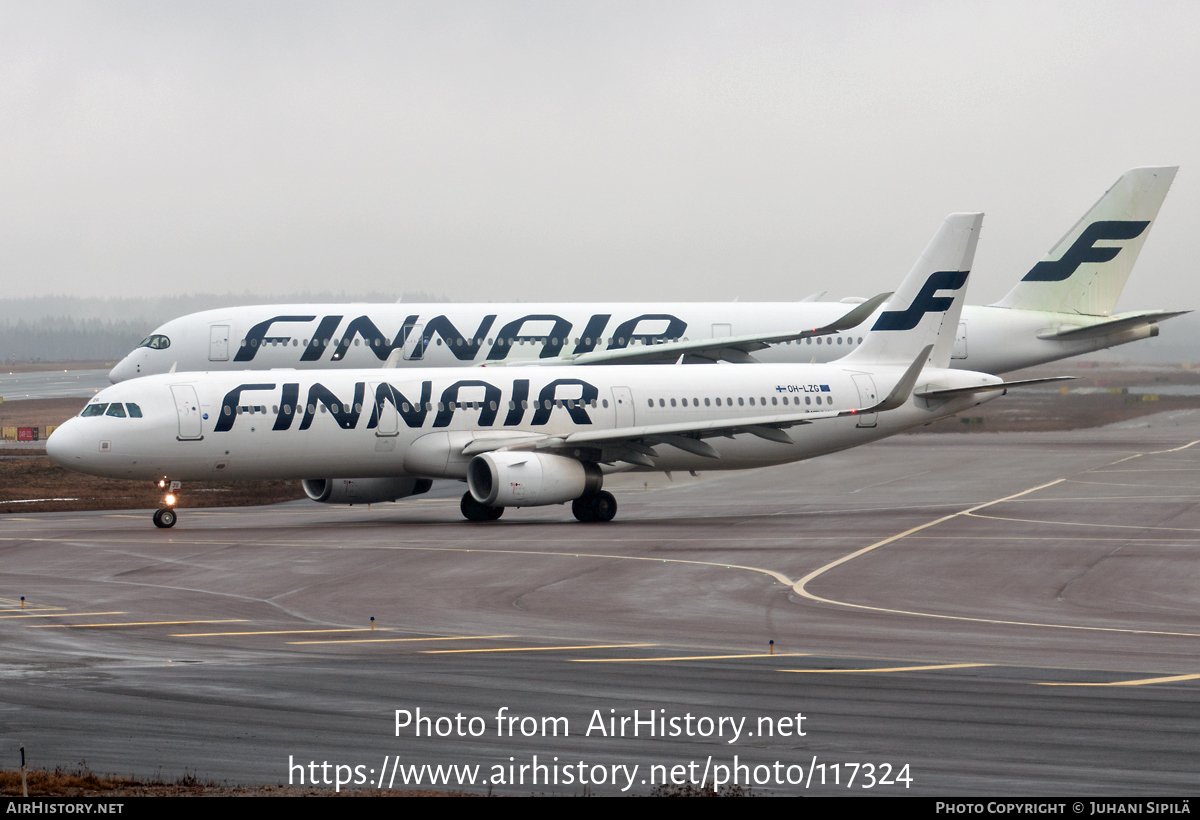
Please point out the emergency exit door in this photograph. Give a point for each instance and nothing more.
(218, 343)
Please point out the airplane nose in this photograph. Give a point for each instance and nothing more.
(65, 445)
(121, 372)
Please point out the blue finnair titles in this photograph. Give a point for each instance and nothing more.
(535, 436)
(1065, 305)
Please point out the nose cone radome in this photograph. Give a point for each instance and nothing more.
(65, 445)
(125, 369)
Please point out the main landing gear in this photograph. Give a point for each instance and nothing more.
(166, 517)
(598, 508)
(472, 510)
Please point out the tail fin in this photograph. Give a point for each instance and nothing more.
(916, 316)
(1077, 276)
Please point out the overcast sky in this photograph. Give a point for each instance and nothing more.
(580, 151)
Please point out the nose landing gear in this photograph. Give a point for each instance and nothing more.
(165, 518)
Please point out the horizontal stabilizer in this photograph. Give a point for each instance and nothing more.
(987, 388)
(1117, 324)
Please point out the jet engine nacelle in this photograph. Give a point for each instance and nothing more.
(363, 490)
(519, 479)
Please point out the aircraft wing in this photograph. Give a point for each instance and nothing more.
(1126, 321)
(729, 348)
(635, 444)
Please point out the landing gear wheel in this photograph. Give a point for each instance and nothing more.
(581, 508)
(604, 507)
(600, 507)
(472, 510)
(165, 518)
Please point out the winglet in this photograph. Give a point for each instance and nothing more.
(393, 359)
(855, 317)
(904, 387)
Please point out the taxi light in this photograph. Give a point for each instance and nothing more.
(170, 499)
(162, 483)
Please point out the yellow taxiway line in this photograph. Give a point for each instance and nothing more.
(409, 640)
(889, 668)
(135, 623)
(271, 632)
(536, 648)
(690, 658)
(62, 615)
(1142, 682)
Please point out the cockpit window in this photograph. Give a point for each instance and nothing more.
(94, 410)
(116, 410)
(135, 412)
(156, 341)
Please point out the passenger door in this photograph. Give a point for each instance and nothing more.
(218, 343)
(960, 342)
(187, 406)
(412, 342)
(389, 419)
(867, 397)
(623, 404)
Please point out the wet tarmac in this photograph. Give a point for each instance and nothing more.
(52, 384)
(1000, 614)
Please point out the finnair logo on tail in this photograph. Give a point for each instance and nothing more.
(1083, 251)
(925, 302)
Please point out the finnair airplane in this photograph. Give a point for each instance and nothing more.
(1062, 307)
(524, 437)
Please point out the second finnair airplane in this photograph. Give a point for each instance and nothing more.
(1062, 307)
(538, 436)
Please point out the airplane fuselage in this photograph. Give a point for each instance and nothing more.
(330, 336)
(292, 424)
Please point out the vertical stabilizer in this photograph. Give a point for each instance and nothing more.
(926, 308)
(1087, 270)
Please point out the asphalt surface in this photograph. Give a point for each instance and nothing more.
(1003, 614)
(53, 384)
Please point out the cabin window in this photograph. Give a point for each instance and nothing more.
(672, 402)
(741, 401)
(752, 401)
(774, 400)
(606, 403)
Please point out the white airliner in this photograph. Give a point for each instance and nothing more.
(1062, 307)
(526, 437)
